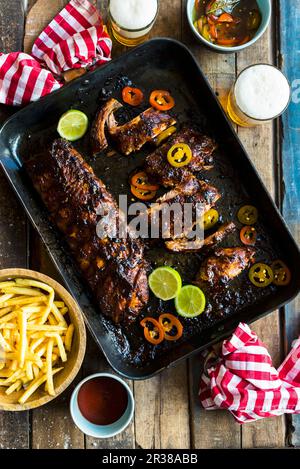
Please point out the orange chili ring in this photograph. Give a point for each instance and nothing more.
(142, 194)
(168, 322)
(141, 182)
(248, 235)
(155, 335)
(132, 96)
(161, 100)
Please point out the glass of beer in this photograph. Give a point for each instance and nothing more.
(260, 93)
(132, 20)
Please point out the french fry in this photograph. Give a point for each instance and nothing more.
(12, 378)
(69, 337)
(50, 386)
(60, 345)
(41, 351)
(47, 328)
(4, 311)
(21, 291)
(9, 283)
(14, 365)
(8, 317)
(4, 299)
(64, 310)
(42, 286)
(4, 345)
(5, 373)
(36, 343)
(8, 325)
(36, 370)
(58, 316)
(52, 320)
(21, 300)
(29, 370)
(32, 309)
(34, 283)
(35, 385)
(13, 387)
(59, 304)
(22, 346)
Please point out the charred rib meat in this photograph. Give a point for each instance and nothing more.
(131, 136)
(158, 167)
(224, 265)
(199, 194)
(105, 117)
(77, 200)
(186, 245)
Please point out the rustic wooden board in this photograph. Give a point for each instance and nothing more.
(208, 429)
(167, 410)
(162, 403)
(290, 48)
(259, 142)
(95, 363)
(52, 426)
(14, 427)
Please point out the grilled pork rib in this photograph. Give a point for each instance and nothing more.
(224, 265)
(104, 117)
(158, 167)
(114, 269)
(195, 192)
(186, 245)
(131, 136)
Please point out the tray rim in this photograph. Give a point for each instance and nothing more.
(51, 96)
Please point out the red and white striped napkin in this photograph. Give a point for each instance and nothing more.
(244, 381)
(75, 38)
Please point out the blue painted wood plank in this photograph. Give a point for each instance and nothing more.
(290, 50)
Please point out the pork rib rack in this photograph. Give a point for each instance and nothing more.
(114, 269)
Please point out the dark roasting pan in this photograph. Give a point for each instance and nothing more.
(165, 64)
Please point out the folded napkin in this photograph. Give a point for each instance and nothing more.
(244, 381)
(75, 38)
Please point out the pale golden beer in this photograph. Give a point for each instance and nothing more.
(131, 21)
(260, 94)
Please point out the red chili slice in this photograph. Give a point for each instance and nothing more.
(248, 235)
(169, 322)
(156, 334)
(132, 96)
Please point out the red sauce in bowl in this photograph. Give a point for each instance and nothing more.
(102, 400)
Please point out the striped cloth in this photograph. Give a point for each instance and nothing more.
(75, 38)
(244, 381)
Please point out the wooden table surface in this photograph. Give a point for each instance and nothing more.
(167, 411)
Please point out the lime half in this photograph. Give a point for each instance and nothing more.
(72, 125)
(190, 302)
(165, 283)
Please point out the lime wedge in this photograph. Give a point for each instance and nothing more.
(165, 283)
(190, 302)
(72, 125)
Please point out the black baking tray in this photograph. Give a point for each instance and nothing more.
(159, 63)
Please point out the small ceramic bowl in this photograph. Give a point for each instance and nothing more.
(265, 9)
(101, 431)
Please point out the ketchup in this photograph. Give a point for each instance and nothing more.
(102, 400)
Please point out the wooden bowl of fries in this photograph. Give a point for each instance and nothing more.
(42, 339)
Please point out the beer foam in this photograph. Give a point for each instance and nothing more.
(133, 14)
(262, 92)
